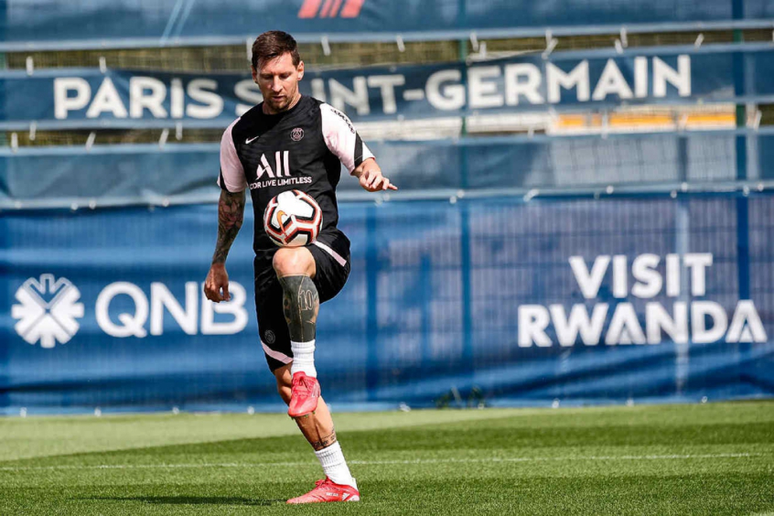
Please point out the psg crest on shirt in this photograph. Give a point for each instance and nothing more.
(297, 134)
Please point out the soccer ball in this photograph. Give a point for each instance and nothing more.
(292, 219)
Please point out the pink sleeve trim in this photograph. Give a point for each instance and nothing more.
(232, 174)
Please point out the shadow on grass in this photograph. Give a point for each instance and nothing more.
(191, 500)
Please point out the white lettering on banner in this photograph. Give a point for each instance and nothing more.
(144, 93)
(649, 281)
(697, 263)
(445, 97)
(620, 277)
(528, 88)
(746, 326)
(147, 93)
(107, 100)
(700, 310)
(483, 93)
(176, 99)
(249, 92)
(567, 329)
(482, 87)
(640, 77)
(578, 78)
(533, 321)
(204, 92)
(357, 98)
(624, 326)
(162, 298)
(318, 89)
(132, 324)
(673, 275)
(697, 321)
(387, 83)
(612, 82)
(63, 102)
(235, 308)
(657, 319)
(680, 78)
(589, 282)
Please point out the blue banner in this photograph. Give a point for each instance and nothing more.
(495, 302)
(56, 21)
(569, 80)
(175, 173)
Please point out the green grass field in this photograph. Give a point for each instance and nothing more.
(697, 459)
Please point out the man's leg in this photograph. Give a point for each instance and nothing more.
(318, 429)
(295, 268)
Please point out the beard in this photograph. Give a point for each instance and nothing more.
(283, 103)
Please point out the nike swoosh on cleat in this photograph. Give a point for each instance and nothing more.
(251, 140)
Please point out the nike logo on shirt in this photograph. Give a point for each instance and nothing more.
(250, 140)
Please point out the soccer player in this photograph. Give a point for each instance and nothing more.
(291, 141)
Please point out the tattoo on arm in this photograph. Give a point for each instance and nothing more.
(231, 212)
(324, 442)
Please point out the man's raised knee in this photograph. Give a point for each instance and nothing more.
(290, 261)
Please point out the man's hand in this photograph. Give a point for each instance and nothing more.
(371, 178)
(217, 279)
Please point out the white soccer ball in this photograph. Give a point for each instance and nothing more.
(292, 219)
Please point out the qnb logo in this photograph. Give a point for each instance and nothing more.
(330, 9)
(48, 310)
(196, 314)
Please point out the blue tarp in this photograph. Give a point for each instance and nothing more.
(165, 20)
(87, 97)
(131, 174)
(509, 303)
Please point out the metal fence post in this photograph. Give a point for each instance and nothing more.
(372, 318)
(465, 265)
(742, 204)
(742, 242)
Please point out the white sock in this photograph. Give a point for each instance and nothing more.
(334, 465)
(303, 358)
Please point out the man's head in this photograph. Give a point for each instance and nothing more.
(277, 68)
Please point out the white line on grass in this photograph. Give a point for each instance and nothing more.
(387, 462)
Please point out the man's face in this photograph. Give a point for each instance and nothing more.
(278, 82)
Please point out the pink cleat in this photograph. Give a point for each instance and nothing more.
(305, 392)
(326, 491)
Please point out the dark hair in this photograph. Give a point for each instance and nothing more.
(273, 44)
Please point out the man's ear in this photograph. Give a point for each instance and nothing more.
(255, 73)
(300, 70)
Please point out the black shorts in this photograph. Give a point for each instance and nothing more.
(331, 256)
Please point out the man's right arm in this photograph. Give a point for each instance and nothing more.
(231, 214)
(231, 211)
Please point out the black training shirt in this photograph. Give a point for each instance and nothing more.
(300, 149)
